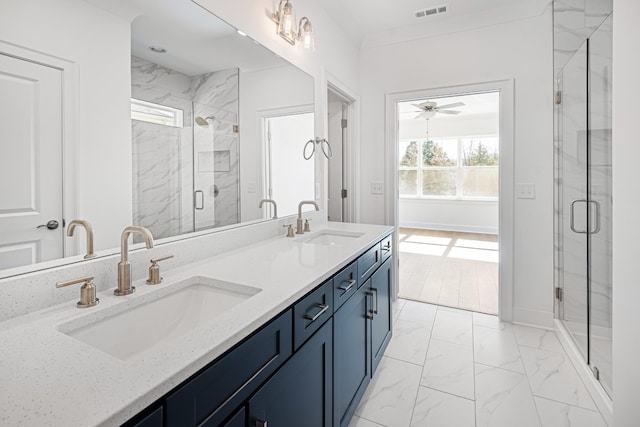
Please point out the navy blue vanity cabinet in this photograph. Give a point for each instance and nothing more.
(351, 355)
(148, 418)
(380, 287)
(311, 312)
(299, 394)
(368, 262)
(214, 394)
(345, 284)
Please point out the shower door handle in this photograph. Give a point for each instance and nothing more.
(196, 205)
(572, 216)
(597, 205)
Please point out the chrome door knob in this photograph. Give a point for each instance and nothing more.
(51, 225)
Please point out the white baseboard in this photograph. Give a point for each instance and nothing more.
(449, 227)
(536, 318)
(600, 397)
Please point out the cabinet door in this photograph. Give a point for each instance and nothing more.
(299, 394)
(351, 355)
(380, 286)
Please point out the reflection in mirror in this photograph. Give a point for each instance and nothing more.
(217, 123)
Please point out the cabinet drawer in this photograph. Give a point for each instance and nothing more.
(386, 247)
(345, 284)
(212, 396)
(367, 263)
(311, 312)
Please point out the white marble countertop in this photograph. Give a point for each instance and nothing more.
(49, 378)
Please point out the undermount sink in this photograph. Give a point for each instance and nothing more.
(333, 238)
(127, 333)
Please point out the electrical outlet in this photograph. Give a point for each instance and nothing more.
(251, 187)
(377, 188)
(525, 191)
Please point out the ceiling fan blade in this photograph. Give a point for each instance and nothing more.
(418, 106)
(455, 104)
(424, 115)
(449, 112)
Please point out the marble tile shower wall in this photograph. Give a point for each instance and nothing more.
(218, 167)
(164, 163)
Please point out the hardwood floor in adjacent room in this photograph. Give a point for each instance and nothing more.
(449, 268)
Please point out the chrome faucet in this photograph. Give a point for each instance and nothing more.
(275, 207)
(299, 226)
(89, 231)
(124, 266)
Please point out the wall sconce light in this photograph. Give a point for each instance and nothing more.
(286, 19)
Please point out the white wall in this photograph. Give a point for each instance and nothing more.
(452, 215)
(263, 94)
(98, 45)
(626, 234)
(485, 54)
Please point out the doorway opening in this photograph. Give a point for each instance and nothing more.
(449, 199)
(339, 123)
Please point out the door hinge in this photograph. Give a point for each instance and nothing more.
(236, 128)
(344, 193)
(558, 97)
(559, 294)
(344, 123)
(596, 372)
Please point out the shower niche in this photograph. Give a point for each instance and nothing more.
(583, 202)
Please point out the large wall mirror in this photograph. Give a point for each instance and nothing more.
(181, 124)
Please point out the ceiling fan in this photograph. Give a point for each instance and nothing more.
(428, 109)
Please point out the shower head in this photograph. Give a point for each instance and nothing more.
(204, 121)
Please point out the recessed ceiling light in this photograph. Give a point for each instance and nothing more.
(242, 33)
(157, 49)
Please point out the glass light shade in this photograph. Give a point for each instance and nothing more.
(286, 23)
(306, 34)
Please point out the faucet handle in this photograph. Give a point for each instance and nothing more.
(289, 230)
(306, 225)
(87, 291)
(154, 271)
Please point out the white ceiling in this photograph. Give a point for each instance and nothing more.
(362, 17)
(196, 41)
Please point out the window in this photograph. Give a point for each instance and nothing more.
(453, 168)
(155, 113)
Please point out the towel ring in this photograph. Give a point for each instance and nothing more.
(324, 145)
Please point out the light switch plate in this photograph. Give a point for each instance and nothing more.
(377, 188)
(525, 191)
(251, 187)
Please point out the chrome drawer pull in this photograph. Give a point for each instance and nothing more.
(375, 310)
(369, 316)
(261, 423)
(323, 308)
(347, 288)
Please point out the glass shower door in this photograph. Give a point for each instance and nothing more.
(600, 243)
(573, 202)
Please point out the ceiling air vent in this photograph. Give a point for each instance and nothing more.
(431, 11)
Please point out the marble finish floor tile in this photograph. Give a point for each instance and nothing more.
(453, 327)
(497, 348)
(552, 376)
(503, 399)
(391, 395)
(409, 342)
(449, 368)
(541, 339)
(488, 321)
(434, 408)
(454, 385)
(555, 414)
(362, 422)
(418, 312)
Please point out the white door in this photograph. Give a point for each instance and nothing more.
(30, 163)
(289, 177)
